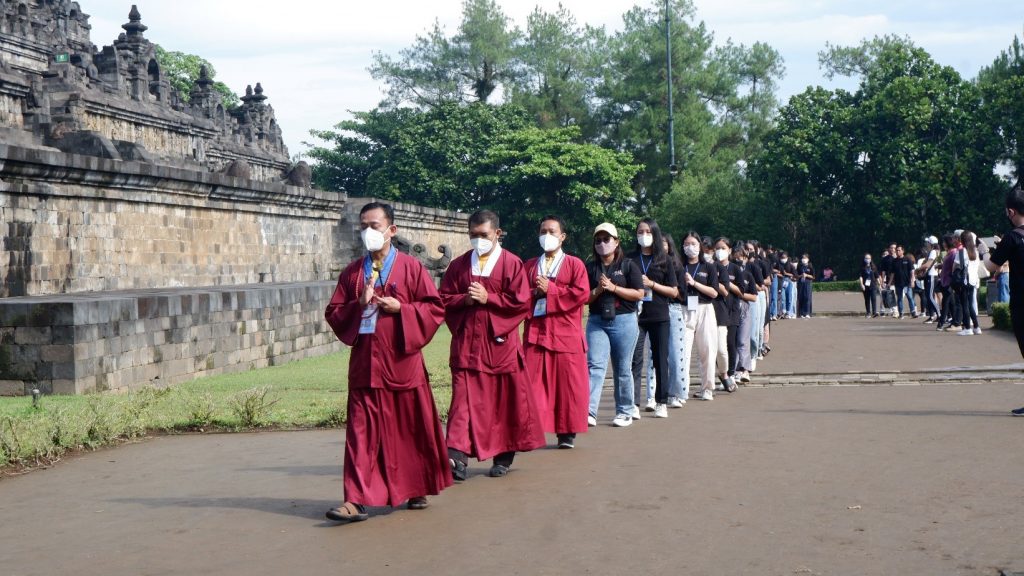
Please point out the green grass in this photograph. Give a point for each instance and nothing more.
(303, 394)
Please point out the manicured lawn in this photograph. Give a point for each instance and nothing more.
(303, 394)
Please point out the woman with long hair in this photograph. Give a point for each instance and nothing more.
(615, 289)
(698, 282)
(726, 313)
(659, 284)
(969, 260)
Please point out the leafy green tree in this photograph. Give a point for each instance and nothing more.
(901, 157)
(531, 172)
(467, 67)
(559, 66)
(712, 114)
(182, 70)
(1002, 86)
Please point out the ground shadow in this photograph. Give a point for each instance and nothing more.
(301, 508)
(332, 470)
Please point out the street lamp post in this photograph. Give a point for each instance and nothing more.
(672, 168)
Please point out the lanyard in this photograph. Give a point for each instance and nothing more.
(646, 266)
(555, 266)
(385, 273)
(690, 290)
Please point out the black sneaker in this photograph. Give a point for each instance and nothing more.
(566, 442)
(1018, 412)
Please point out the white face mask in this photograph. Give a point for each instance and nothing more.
(605, 248)
(804, 260)
(784, 260)
(708, 258)
(481, 245)
(549, 243)
(691, 251)
(645, 240)
(373, 240)
(721, 254)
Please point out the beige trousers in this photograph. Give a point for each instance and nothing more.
(702, 332)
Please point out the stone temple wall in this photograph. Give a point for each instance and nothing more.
(117, 275)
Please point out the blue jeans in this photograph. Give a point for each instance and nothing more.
(788, 297)
(908, 292)
(773, 306)
(616, 339)
(1003, 288)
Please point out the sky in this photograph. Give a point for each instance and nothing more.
(311, 56)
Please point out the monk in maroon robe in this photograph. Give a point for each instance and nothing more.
(387, 309)
(556, 349)
(486, 296)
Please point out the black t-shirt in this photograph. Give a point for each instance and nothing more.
(869, 274)
(754, 267)
(723, 307)
(1011, 249)
(789, 268)
(804, 269)
(886, 267)
(663, 273)
(624, 273)
(703, 273)
(737, 277)
(902, 272)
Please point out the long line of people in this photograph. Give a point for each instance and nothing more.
(941, 283)
(650, 311)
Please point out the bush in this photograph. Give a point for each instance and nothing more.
(252, 407)
(1001, 316)
(842, 286)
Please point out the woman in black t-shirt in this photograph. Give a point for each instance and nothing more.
(615, 288)
(698, 287)
(745, 289)
(805, 275)
(727, 314)
(659, 280)
(869, 286)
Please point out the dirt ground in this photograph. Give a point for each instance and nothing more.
(853, 480)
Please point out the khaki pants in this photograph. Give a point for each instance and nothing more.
(702, 332)
(723, 350)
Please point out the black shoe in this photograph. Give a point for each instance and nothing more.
(566, 441)
(1018, 412)
(498, 470)
(347, 512)
(459, 472)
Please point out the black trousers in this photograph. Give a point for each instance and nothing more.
(871, 301)
(658, 333)
(732, 338)
(1017, 320)
(967, 312)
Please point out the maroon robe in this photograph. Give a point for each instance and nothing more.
(394, 443)
(492, 409)
(556, 348)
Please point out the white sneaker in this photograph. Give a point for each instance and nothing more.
(622, 420)
(651, 405)
(753, 364)
(661, 411)
(719, 387)
(965, 332)
(591, 421)
(636, 412)
(674, 402)
(743, 376)
(977, 330)
(707, 395)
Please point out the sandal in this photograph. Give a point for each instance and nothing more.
(498, 470)
(418, 503)
(348, 512)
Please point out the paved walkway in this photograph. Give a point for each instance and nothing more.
(780, 480)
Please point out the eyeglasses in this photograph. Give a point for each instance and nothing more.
(605, 241)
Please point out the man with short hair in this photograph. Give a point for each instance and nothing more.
(486, 297)
(903, 280)
(1011, 249)
(387, 309)
(556, 350)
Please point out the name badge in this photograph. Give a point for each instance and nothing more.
(540, 308)
(691, 303)
(867, 283)
(648, 295)
(368, 323)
